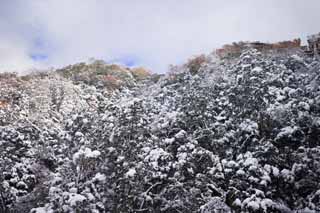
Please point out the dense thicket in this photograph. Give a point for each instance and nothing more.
(239, 135)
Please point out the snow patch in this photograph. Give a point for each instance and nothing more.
(131, 173)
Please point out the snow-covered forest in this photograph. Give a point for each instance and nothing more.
(238, 134)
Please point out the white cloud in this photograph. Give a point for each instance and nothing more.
(157, 33)
(13, 56)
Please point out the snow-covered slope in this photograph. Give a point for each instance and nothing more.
(238, 134)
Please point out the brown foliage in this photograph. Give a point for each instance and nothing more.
(235, 49)
(112, 82)
(195, 63)
(286, 44)
(3, 104)
(140, 73)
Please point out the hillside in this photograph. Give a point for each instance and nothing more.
(237, 134)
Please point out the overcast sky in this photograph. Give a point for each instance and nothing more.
(42, 33)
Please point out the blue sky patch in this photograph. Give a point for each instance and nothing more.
(39, 57)
(127, 60)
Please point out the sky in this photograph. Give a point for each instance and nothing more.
(150, 33)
